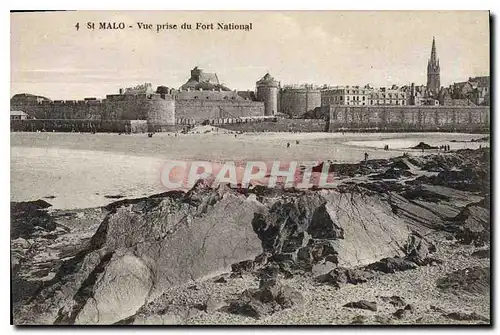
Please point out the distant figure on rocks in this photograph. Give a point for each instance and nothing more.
(366, 157)
(288, 145)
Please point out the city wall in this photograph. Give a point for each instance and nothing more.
(280, 125)
(200, 110)
(75, 125)
(410, 118)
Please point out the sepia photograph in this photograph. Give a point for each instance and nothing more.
(231, 168)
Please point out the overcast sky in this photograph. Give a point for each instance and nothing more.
(50, 57)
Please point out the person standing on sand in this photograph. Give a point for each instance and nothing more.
(288, 145)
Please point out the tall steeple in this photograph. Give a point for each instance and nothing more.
(433, 70)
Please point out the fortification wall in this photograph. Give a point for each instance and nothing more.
(74, 125)
(280, 125)
(297, 101)
(409, 118)
(199, 110)
(268, 94)
(69, 109)
(208, 95)
(114, 107)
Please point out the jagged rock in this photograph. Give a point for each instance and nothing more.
(362, 304)
(473, 225)
(27, 216)
(145, 246)
(243, 266)
(282, 228)
(370, 229)
(269, 275)
(269, 298)
(323, 227)
(461, 316)
(474, 280)
(341, 276)
(316, 252)
(418, 249)
(220, 280)
(392, 265)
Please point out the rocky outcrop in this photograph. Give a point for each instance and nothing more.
(145, 245)
(474, 280)
(142, 247)
(269, 298)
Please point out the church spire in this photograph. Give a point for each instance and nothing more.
(433, 51)
(433, 71)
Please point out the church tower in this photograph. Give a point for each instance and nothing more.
(433, 82)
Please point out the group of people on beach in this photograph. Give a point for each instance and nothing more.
(445, 147)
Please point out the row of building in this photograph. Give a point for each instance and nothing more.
(202, 97)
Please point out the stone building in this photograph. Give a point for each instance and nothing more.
(476, 90)
(393, 96)
(297, 100)
(18, 115)
(346, 95)
(363, 96)
(268, 91)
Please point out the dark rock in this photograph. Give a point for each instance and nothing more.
(362, 304)
(243, 266)
(421, 193)
(392, 265)
(484, 253)
(269, 298)
(341, 276)
(27, 216)
(461, 316)
(269, 275)
(403, 312)
(423, 145)
(220, 280)
(316, 252)
(475, 280)
(322, 226)
(392, 173)
(418, 249)
(473, 224)
(252, 308)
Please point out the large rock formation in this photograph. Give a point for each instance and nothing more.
(142, 247)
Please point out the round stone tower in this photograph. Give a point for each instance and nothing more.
(267, 91)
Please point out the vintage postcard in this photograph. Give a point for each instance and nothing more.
(250, 168)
